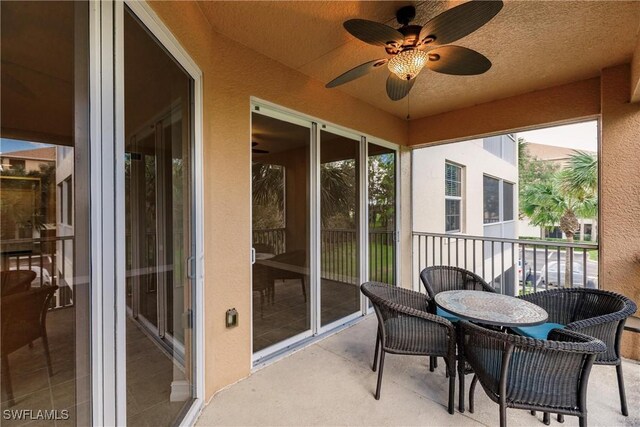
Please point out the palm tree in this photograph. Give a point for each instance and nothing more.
(571, 193)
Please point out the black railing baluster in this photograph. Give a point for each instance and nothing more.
(523, 263)
(535, 269)
(515, 269)
(558, 284)
(546, 267)
(584, 268)
(493, 264)
(502, 267)
(474, 257)
(433, 251)
(484, 276)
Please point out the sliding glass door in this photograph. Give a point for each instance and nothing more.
(158, 122)
(312, 186)
(281, 231)
(44, 201)
(382, 224)
(339, 225)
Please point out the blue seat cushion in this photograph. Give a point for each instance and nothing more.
(539, 332)
(449, 316)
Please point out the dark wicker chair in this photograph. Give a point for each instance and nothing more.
(23, 320)
(440, 278)
(13, 281)
(405, 327)
(593, 312)
(525, 373)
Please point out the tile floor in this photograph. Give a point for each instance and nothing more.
(288, 314)
(150, 372)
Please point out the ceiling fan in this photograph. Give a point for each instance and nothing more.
(257, 150)
(413, 47)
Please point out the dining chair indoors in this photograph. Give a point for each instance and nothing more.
(24, 316)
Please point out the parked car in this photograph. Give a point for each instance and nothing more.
(550, 272)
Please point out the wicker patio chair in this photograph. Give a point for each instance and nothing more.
(525, 373)
(13, 281)
(23, 320)
(405, 327)
(440, 278)
(593, 312)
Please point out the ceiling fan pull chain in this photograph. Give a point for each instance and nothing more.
(408, 105)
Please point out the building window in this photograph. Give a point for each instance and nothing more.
(499, 201)
(453, 197)
(491, 196)
(507, 201)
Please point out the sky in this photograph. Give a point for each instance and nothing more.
(579, 136)
(9, 145)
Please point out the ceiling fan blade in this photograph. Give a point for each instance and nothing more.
(458, 61)
(374, 33)
(459, 21)
(356, 72)
(398, 88)
(259, 151)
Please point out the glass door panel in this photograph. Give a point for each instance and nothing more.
(159, 229)
(382, 214)
(281, 200)
(44, 211)
(339, 227)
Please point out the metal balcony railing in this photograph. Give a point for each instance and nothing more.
(51, 258)
(513, 266)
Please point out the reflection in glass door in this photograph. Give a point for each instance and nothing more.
(339, 226)
(159, 229)
(382, 214)
(44, 211)
(281, 175)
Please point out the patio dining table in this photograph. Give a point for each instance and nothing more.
(491, 308)
(488, 308)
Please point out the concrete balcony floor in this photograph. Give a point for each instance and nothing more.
(331, 383)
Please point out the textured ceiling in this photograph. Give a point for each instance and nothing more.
(532, 44)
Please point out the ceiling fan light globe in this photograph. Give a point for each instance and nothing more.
(407, 64)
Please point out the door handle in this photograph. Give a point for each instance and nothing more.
(253, 256)
(191, 267)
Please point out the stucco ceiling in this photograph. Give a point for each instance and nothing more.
(532, 44)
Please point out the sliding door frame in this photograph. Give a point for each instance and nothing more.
(274, 113)
(317, 125)
(396, 239)
(107, 209)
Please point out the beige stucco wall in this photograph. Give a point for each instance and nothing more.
(232, 74)
(543, 107)
(620, 193)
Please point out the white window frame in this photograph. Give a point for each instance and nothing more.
(456, 198)
(501, 183)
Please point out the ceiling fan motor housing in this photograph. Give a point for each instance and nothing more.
(406, 14)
